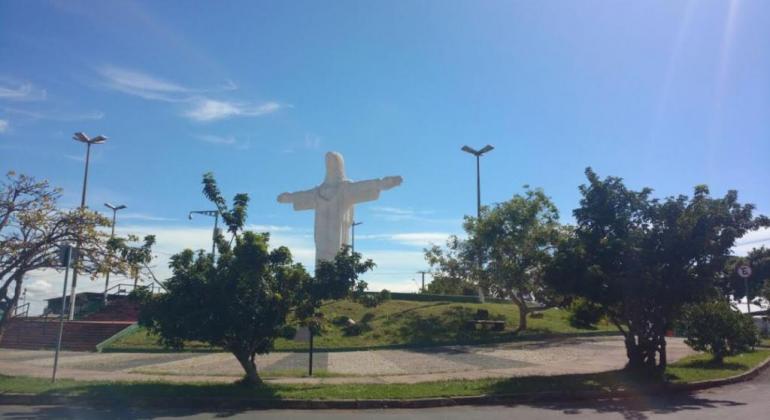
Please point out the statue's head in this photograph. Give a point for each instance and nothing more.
(335, 168)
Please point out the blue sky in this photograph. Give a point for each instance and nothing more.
(667, 94)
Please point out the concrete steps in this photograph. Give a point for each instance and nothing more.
(35, 334)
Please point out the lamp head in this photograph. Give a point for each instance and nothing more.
(83, 138)
(486, 149)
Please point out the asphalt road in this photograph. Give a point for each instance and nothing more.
(749, 400)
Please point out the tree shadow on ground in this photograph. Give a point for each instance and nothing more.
(645, 396)
(640, 407)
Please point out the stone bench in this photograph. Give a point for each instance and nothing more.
(485, 324)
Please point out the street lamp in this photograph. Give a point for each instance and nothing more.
(83, 138)
(478, 154)
(112, 236)
(215, 215)
(353, 235)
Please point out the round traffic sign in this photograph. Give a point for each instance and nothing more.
(744, 271)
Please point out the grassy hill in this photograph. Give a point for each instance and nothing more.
(400, 323)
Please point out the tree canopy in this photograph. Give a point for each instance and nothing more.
(641, 259)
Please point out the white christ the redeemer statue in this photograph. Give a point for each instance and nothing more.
(333, 202)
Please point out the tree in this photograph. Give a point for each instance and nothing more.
(642, 259)
(718, 328)
(333, 280)
(134, 258)
(241, 303)
(451, 268)
(32, 229)
(515, 239)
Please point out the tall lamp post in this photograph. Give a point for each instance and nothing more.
(83, 138)
(215, 215)
(478, 154)
(115, 210)
(353, 235)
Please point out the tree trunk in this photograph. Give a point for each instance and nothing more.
(523, 312)
(646, 354)
(251, 378)
(9, 304)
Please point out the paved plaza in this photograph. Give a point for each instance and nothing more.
(548, 357)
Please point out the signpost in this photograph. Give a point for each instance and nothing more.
(305, 335)
(66, 258)
(745, 272)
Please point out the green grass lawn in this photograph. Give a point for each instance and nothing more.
(400, 323)
(690, 369)
(700, 367)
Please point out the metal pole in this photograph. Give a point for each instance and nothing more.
(353, 237)
(77, 245)
(112, 236)
(214, 238)
(478, 188)
(746, 285)
(67, 258)
(478, 216)
(310, 360)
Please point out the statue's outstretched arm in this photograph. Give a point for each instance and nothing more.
(302, 200)
(369, 190)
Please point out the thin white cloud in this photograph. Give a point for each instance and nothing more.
(420, 239)
(225, 141)
(206, 110)
(20, 91)
(397, 214)
(3, 126)
(143, 85)
(145, 217)
(201, 108)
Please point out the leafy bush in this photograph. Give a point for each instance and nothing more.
(385, 295)
(717, 328)
(369, 301)
(584, 313)
(288, 332)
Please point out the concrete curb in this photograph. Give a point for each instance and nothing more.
(248, 403)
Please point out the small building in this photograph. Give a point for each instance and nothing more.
(85, 303)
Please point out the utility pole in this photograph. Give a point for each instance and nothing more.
(353, 235)
(423, 273)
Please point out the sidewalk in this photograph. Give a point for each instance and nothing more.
(545, 357)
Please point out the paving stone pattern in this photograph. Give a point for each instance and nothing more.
(548, 357)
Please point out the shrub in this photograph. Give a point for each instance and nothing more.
(369, 301)
(385, 295)
(584, 313)
(717, 328)
(288, 332)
